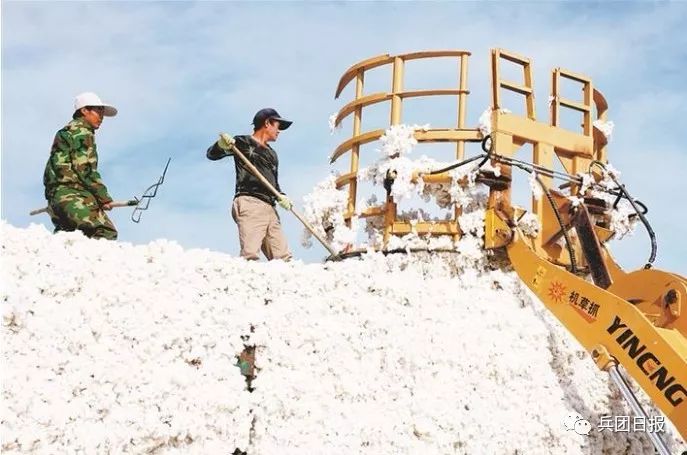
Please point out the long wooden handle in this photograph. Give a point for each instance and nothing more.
(277, 194)
(37, 211)
(128, 203)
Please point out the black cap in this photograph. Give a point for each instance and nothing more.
(269, 113)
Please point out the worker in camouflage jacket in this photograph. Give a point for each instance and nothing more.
(77, 197)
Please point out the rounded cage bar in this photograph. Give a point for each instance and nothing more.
(574, 149)
(459, 135)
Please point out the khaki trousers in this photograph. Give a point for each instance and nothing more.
(259, 229)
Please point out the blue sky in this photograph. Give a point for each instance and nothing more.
(180, 72)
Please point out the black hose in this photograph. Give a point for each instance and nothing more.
(485, 157)
(539, 169)
(620, 192)
(622, 196)
(460, 163)
(486, 149)
(621, 189)
(531, 168)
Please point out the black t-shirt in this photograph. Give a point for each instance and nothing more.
(264, 158)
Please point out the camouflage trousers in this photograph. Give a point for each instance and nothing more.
(72, 209)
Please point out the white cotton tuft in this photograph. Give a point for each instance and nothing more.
(575, 200)
(324, 209)
(587, 182)
(537, 190)
(623, 219)
(332, 123)
(529, 225)
(484, 122)
(606, 127)
(399, 140)
(488, 167)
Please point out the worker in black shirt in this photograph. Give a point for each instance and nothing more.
(253, 208)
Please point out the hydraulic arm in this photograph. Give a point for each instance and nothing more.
(637, 321)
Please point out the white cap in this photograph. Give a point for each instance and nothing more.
(91, 99)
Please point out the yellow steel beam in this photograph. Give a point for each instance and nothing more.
(361, 67)
(426, 227)
(357, 140)
(359, 103)
(345, 179)
(531, 131)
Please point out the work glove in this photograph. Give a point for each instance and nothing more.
(285, 202)
(225, 141)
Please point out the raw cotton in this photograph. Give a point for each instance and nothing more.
(114, 348)
(606, 127)
(529, 224)
(326, 205)
(623, 221)
(332, 123)
(485, 120)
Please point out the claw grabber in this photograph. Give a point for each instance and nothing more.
(140, 204)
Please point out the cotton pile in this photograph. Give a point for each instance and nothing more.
(118, 348)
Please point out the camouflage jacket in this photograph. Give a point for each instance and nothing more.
(73, 162)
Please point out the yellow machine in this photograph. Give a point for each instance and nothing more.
(631, 319)
(637, 320)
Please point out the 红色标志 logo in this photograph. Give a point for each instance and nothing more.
(557, 291)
